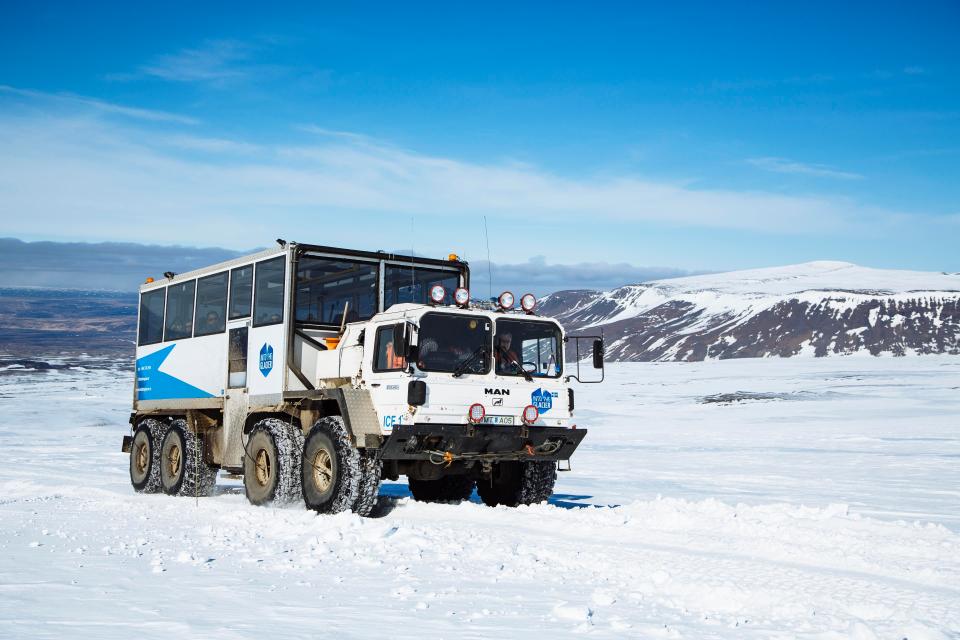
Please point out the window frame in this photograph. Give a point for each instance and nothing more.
(376, 350)
(226, 302)
(283, 284)
(249, 313)
(378, 294)
(166, 305)
(559, 354)
(489, 344)
(163, 312)
(418, 268)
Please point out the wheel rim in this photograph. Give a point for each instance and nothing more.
(174, 460)
(142, 458)
(322, 470)
(262, 461)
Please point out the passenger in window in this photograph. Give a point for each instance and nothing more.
(212, 323)
(504, 355)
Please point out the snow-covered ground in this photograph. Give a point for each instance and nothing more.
(812, 498)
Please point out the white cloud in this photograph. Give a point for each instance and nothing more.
(214, 60)
(89, 175)
(783, 165)
(73, 100)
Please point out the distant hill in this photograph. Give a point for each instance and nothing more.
(812, 309)
(54, 322)
(816, 309)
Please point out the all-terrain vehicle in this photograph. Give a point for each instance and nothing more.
(314, 372)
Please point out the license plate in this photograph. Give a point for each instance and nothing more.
(497, 420)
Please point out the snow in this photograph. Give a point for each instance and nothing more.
(816, 276)
(724, 499)
(736, 296)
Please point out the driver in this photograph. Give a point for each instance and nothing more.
(427, 347)
(504, 355)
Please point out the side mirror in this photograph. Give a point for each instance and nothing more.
(401, 340)
(417, 393)
(598, 354)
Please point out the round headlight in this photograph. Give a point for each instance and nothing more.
(437, 293)
(461, 296)
(530, 414)
(528, 302)
(476, 413)
(505, 301)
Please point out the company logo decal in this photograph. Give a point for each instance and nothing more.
(542, 400)
(496, 392)
(266, 359)
(498, 402)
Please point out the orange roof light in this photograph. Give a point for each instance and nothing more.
(453, 257)
(149, 280)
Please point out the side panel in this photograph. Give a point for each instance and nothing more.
(183, 369)
(266, 362)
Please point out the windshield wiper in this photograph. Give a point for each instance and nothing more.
(462, 367)
(524, 372)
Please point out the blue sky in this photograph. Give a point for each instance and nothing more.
(699, 136)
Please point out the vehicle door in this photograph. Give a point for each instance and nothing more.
(386, 372)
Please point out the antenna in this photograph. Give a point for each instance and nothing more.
(413, 279)
(489, 266)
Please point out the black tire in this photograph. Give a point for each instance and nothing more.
(183, 471)
(331, 469)
(271, 464)
(516, 483)
(145, 456)
(453, 488)
(368, 489)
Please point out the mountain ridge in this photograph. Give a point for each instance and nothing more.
(820, 308)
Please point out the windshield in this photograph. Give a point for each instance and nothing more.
(524, 345)
(454, 343)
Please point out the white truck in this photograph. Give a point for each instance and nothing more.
(314, 372)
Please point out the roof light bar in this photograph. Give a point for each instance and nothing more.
(437, 294)
(528, 302)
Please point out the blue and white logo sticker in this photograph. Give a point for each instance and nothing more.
(266, 359)
(542, 400)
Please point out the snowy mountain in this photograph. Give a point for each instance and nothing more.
(815, 308)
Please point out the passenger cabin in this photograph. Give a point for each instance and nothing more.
(237, 335)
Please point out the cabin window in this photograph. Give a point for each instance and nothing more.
(237, 366)
(268, 292)
(387, 358)
(151, 317)
(406, 284)
(211, 312)
(179, 322)
(328, 288)
(527, 346)
(241, 291)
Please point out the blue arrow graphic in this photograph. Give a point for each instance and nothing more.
(153, 384)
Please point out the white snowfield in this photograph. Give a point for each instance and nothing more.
(794, 498)
(822, 275)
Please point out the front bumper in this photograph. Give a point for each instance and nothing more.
(481, 442)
